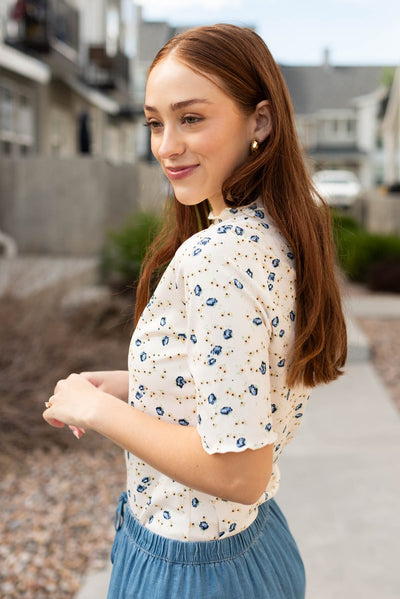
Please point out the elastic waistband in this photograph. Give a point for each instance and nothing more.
(188, 552)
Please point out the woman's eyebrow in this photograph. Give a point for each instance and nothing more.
(178, 105)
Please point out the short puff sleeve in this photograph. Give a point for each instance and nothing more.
(228, 331)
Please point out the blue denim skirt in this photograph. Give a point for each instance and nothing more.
(262, 562)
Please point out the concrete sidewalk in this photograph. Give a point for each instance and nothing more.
(340, 485)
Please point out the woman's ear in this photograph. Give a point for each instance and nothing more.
(263, 121)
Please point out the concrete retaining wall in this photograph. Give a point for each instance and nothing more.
(59, 206)
(378, 212)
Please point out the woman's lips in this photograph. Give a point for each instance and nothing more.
(180, 172)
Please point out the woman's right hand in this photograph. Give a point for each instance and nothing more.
(114, 382)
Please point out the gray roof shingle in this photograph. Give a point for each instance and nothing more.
(329, 87)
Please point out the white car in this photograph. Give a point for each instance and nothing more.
(339, 188)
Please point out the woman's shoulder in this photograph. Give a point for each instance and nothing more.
(246, 232)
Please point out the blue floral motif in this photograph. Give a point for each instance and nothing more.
(259, 213)
(203, 525)
(197, 290)
(270, 286)
(241, 442)
(271, 276)
(226, 410)
(211, 301)
(292, 315)
(212, 399)
(160, 411)
(299, 415)
(265, 225)
(238, 284)
(138, 342)
(182, 336)
(143, 356)
(180, 381)
(238, 230)
(281, 363)
(276, 262)
(268, 426)
(211, 361)
(138, 395)
(275, 321)
(228, 334)
(196, 251)
(216, 350)
(273, 408)
(195, 502)
(263, 368)
(193, 338)
(166, 515)
(281, 333)
(250, 273)
(255, 238)
(183, 422)
(253, 390)
(165, 340)
(140, 488)
(199, 418)
(224, 228)
(232, 527)
(163, 321)
(205, 240)
(257, 321)
(290, 255)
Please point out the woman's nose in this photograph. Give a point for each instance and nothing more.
(171, 144)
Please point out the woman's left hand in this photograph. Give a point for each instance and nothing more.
(74, 400)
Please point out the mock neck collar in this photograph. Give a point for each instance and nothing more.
(228, 212)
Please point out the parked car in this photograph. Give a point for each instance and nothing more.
(339, 188)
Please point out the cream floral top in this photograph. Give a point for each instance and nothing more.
(211, 350)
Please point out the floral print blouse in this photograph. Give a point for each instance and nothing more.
(211, 350)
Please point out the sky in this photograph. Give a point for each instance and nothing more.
(357, 32)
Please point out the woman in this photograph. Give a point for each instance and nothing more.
(245, 320)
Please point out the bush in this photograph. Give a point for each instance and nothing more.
(123, 254)
(360, 253)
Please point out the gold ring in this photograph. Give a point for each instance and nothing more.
(48, 404)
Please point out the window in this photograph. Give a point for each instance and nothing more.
(6, 111)
(25, 128)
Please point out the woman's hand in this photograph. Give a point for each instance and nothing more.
(74, 402)
(114, 382)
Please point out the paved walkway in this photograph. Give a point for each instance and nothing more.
(340, 485)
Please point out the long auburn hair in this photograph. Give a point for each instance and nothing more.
(238, 60)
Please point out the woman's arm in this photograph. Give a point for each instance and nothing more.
(174, 450)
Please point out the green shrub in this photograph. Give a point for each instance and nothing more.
(359, 250)
(126, 248)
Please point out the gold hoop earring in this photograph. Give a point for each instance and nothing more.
(254, 146)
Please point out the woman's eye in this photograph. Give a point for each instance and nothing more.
(191, 120)
(153, 124)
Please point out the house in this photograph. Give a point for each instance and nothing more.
(391, 135)
(338, 116)
(60, 94)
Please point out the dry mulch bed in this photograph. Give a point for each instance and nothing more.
(58, 494)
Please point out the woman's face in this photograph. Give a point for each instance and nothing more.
(198, 133)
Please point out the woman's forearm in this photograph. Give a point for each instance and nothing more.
(177, 452)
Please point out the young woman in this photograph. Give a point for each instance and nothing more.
(244, 321)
